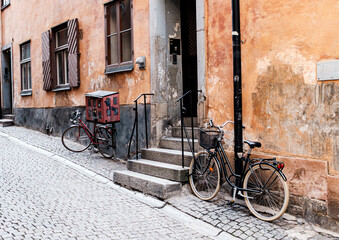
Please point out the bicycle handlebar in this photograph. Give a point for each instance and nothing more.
(77, 114)
(219, 127)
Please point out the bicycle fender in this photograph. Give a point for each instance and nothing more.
(280, 172)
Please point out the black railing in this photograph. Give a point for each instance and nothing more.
(183, 127)
(136, 126)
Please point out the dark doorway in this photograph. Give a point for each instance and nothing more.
(6, 84)
(189, 54)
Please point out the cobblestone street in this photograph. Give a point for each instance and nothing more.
(47, 192)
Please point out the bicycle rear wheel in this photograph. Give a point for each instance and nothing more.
(75, 139)
(204, 176)
(104, 142)
(272, 201)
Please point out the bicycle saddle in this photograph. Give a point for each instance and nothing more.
(253, 144)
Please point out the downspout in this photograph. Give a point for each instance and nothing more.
(0, 64)
(238, 135)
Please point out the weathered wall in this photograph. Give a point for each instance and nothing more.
(295, 116)
(27, 20)
(284, 105)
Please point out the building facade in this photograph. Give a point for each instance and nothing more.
(54, 52)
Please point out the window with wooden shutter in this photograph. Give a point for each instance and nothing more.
(64, 57)
(73, 53)
(46, 61)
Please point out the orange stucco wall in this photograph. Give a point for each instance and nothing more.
(27, 20)
(284, 106)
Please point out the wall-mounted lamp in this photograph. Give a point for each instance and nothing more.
(141, 61)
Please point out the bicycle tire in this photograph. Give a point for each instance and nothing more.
(272, 203)
(104, 142)
(75, 139)
(204, 176)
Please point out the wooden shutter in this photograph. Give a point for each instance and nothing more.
(73, 53)
(46, 61)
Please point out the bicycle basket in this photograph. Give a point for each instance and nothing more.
(208, 138)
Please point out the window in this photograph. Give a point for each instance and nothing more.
(60, 57)
(61, 53)
(4, 3)
(25, 63)
(119, 36)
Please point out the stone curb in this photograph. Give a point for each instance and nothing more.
(197, 225)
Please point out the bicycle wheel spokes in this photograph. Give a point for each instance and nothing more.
(75, 139)
(104, 142)
(272, 196)
(204, 176)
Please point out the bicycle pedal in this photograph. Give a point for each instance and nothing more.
(230, 203)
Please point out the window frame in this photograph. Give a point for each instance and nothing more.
(28, 91)
(3, 6)
(120, 66)
(54, 63)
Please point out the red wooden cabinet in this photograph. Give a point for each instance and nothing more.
(103, 106)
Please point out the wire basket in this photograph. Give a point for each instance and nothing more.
(208, 138)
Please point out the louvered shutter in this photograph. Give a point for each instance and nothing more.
(46, 61)
(73, 53)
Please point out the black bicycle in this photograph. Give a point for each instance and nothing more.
(264, 186)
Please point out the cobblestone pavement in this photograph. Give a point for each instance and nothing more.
(235, 221)
(43, 198)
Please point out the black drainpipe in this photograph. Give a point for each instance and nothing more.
(238, 137)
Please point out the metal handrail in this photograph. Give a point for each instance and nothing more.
(136, 126)
(183, 127)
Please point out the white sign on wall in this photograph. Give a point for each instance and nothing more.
(328, 70)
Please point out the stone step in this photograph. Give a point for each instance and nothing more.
(166, 156)
(159, 169)
(6, 122)
(8, 116)
(176, 132)
(158, 187)
(175, 143)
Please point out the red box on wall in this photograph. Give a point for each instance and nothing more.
(103, 106)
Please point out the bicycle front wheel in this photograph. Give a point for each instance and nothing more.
(75, 139)
(204, 176)
(104, 142)
(272, 196)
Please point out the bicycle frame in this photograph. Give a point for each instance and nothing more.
(219, 150)
(87, 130)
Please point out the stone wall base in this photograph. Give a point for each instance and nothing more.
(314, 211)
(42, 119)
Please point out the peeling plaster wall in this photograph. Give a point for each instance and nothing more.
(24, 20)
(174, 71)
(295, 116)
(284, 106)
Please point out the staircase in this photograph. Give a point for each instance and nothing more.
(7, 120)
(159, 172)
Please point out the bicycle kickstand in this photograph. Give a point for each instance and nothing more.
(232, 202)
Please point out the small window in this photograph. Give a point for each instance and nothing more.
(5, 3)
(61, 56)
(119, 36)
(25, 63)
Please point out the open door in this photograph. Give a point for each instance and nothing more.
(189, 54)
(7, 84)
